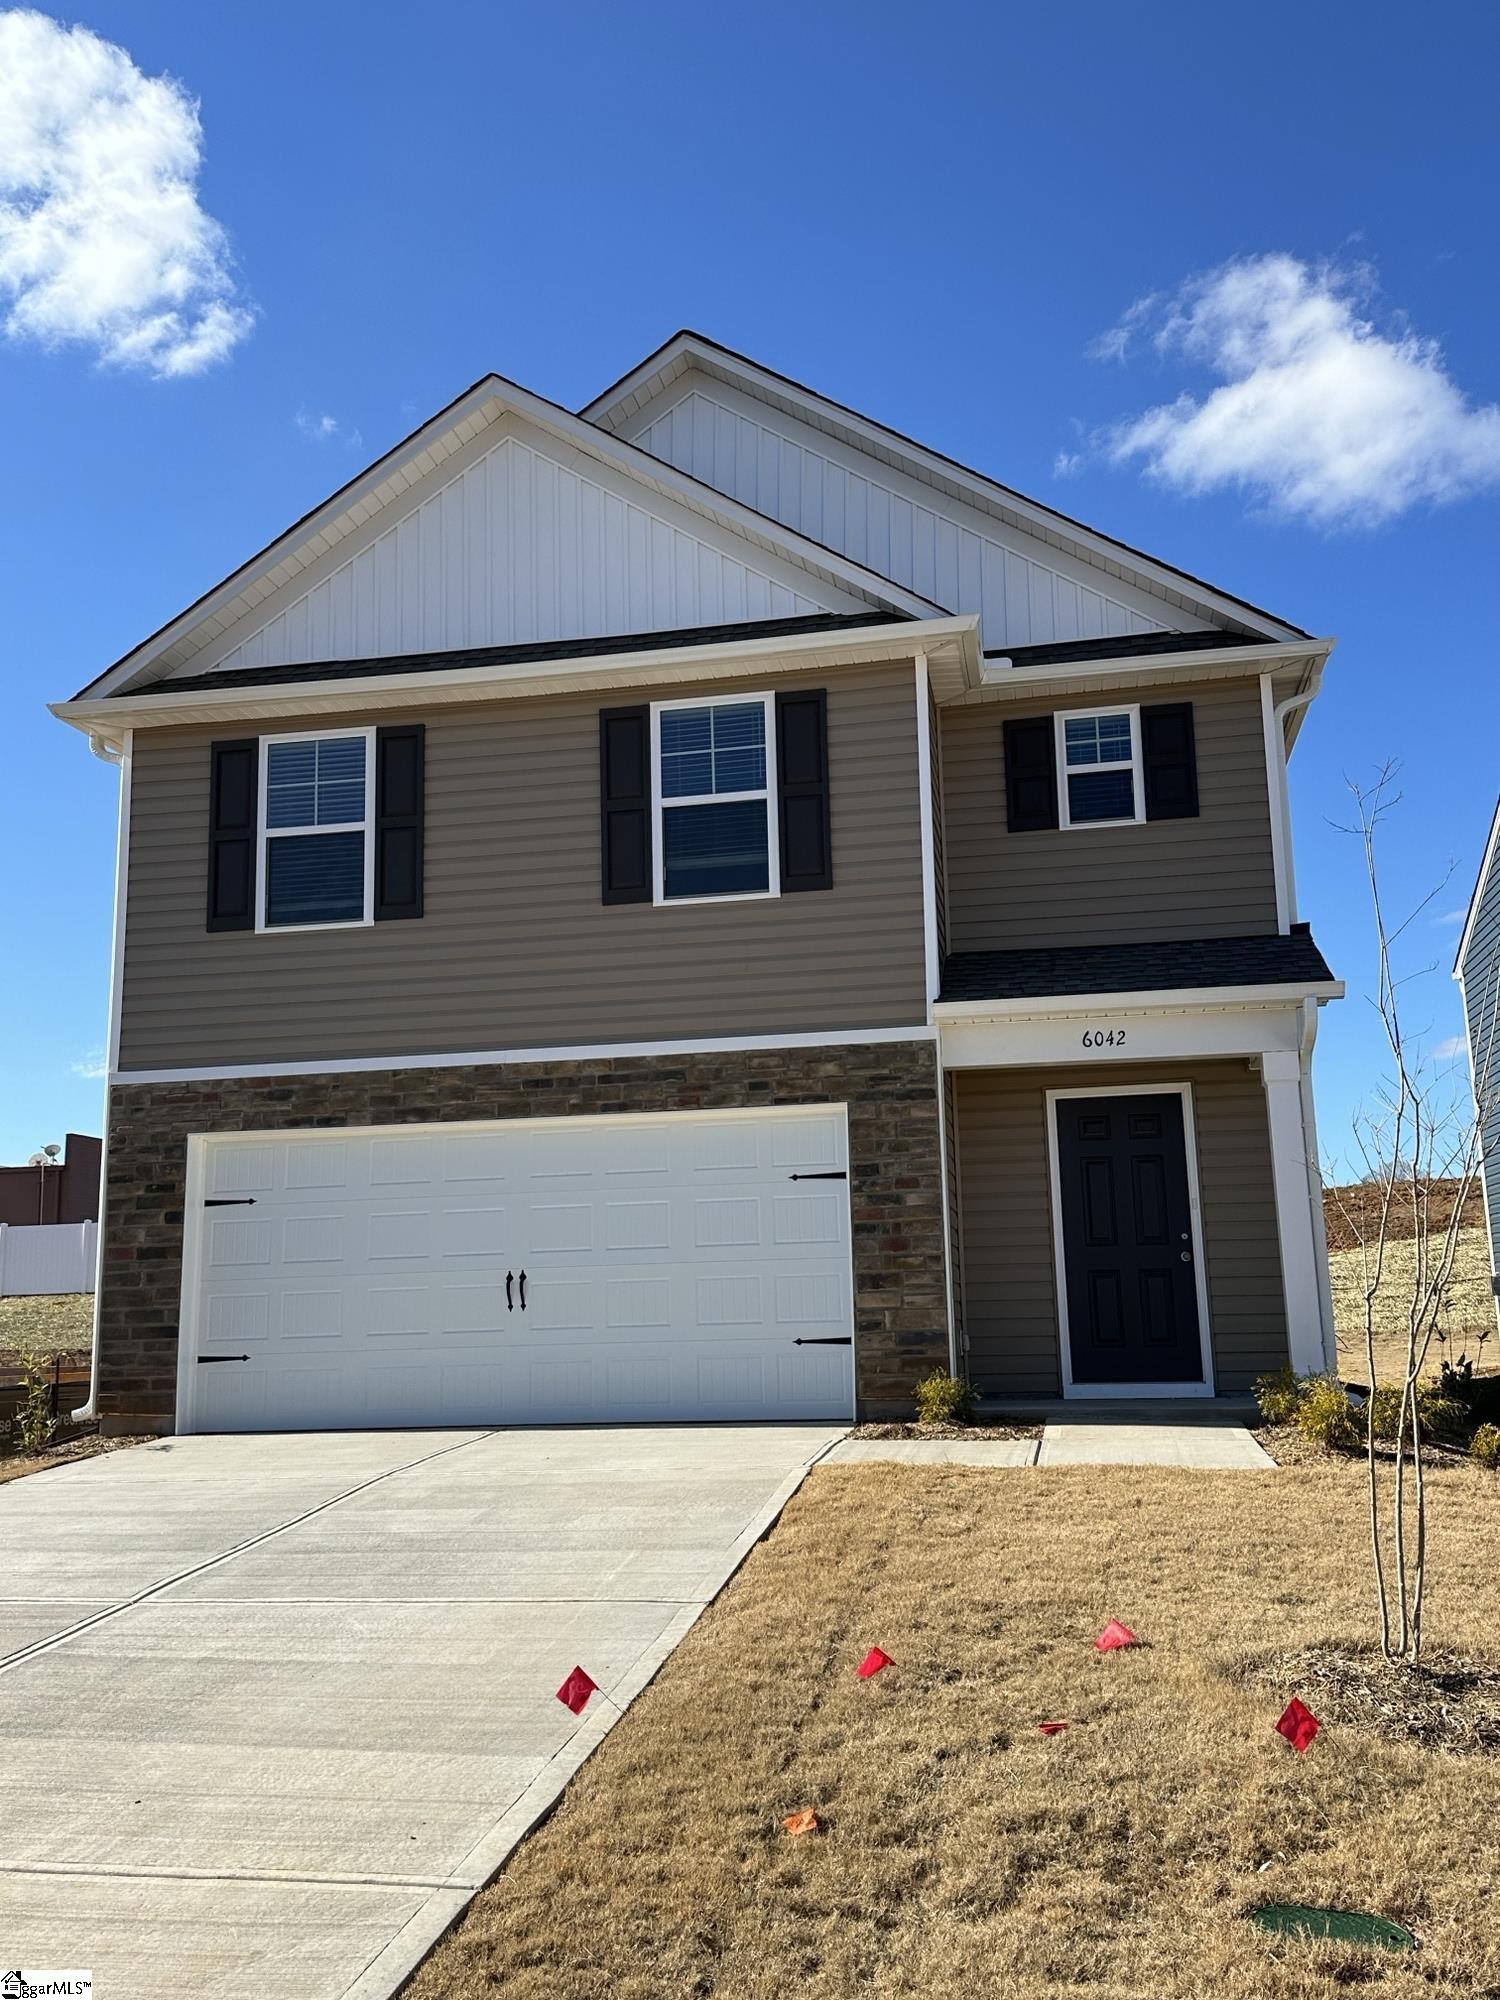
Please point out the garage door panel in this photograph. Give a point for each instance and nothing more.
(671, 1266)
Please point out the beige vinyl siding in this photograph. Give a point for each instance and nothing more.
(1212, 876)
(516, 949)
(1009, 1283)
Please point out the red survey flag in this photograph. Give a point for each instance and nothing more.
(1115, 1635)
(575, 1691)
(1298, 1725)
(803, 1822)
(873, 1661)
(1051, 1728)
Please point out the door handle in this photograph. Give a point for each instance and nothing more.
(523, 1291)
(510, 1279)
(1187, 1256)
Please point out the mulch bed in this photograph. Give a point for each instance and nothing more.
(1447, 1703)
(971, 1433)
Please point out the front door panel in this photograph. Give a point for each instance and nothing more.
(1128, 1254)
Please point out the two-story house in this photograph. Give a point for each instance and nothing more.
(701, 908)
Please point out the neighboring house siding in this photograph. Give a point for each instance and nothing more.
(516, 949)
(1010, 1294)
(1212, 876)
(1481, 978)
(949, 550)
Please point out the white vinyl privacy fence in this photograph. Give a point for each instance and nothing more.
(46, 1257)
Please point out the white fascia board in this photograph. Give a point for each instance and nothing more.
(1209, 662)
(936, 469)
(1172, 999)
(1472, 916)
(951, 646)
(282, 560)
(830, 1038)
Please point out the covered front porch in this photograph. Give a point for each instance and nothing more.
(1134, 1193)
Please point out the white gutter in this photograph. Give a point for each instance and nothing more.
(998, 672)
(952, 643)
(116, 752)
(1177, 999)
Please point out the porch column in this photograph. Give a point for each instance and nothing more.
(1301, 1266)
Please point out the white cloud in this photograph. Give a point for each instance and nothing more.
(326, 430)
(92, 1065)
(1452, 916)
(1319, 412)
(1449, 1050)
(102, 239)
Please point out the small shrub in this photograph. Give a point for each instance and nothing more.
(1484, 1448)
(1385, 1411)
(944, 1399)
(1480, 1394)
(1443, 1416)
(34, 1418)
(1279, 1395)
(1326, 1415)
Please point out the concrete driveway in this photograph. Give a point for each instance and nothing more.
(273, 1708)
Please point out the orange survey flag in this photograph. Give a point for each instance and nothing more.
(803, 1822)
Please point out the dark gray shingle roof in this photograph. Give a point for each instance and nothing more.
(1134, 968)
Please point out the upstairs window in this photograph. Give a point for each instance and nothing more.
(714, 780)
(317, 851)
(1099, 767)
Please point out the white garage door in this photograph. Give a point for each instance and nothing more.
(663, 1269)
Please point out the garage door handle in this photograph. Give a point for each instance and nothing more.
(510, 1279)
(205, 1359)
(230, 1201)
(824, 1340)
(523, 1291)
(840, 1174)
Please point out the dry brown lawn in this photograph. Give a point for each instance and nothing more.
(1469, 1310)
(965, 1854)
(60, 1325)
(20, 1465)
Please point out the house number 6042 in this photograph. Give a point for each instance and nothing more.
(1104, 1038)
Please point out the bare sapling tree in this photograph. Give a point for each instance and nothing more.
(1421, 1145)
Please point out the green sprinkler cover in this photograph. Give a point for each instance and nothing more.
(1346, 1926)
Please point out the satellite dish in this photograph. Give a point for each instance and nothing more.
(52, 1151)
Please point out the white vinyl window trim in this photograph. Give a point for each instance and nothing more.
(660, 806)
(265, 834)
(1131, 711)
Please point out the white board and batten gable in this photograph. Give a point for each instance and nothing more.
(523, 538)
(1034, 577)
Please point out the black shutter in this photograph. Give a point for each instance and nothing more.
(234, 778)
(625, 804)
(1170, 762)
(399, 818)
(1030, 775)
(802, 788)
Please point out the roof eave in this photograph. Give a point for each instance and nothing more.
(950, 644)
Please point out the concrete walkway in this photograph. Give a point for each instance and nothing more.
(273, 1708)
(1216, 1445)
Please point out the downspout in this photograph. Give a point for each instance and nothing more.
(1308, 1036)
(1279, 714)
(117, 753)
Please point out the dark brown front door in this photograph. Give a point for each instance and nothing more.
(1132, 1296)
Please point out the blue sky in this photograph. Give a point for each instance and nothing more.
(932, 214)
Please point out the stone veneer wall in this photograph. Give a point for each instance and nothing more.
(896, 1183)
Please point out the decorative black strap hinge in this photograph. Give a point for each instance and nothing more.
(205, 1359)
(837, 1174)
(824, 1340)
(230, 1201)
